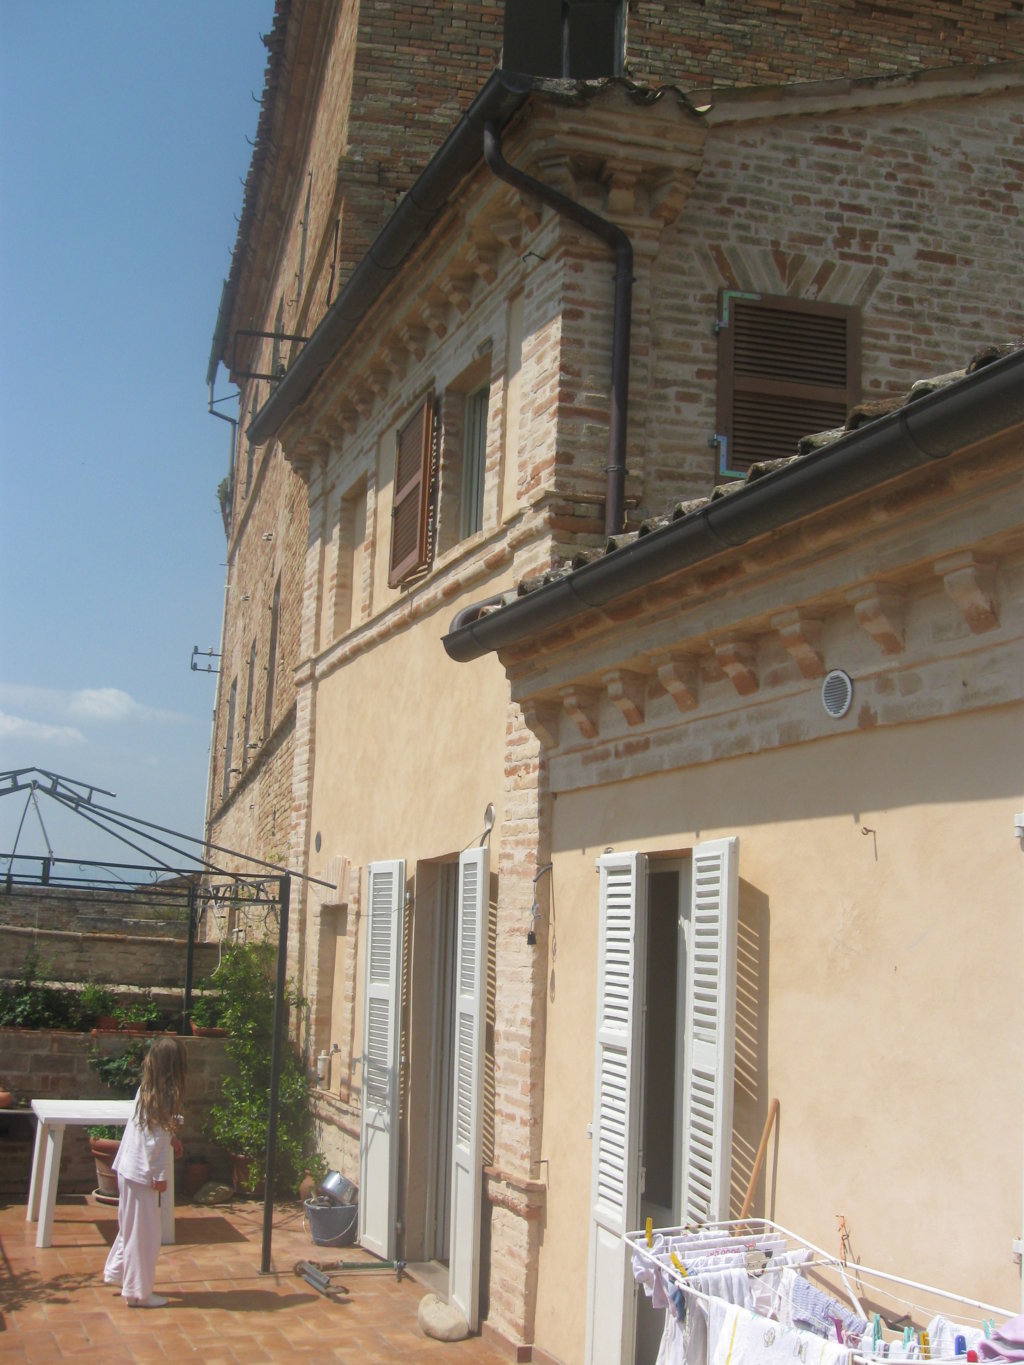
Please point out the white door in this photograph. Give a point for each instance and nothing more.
(378, 1138)
(710, 1032)
(615, 1170)
(468, 1077)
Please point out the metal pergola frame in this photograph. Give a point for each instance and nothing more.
(80, 798)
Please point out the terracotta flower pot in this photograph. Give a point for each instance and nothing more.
(5, 1099)
(194, 1176)
(241, 1166)
(104, 1150)
(207, 1031)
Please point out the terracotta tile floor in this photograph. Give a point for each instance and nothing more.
(55, 1306)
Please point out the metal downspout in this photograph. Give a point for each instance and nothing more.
(614, 513)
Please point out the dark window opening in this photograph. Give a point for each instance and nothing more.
(786, 368)
(578, 39)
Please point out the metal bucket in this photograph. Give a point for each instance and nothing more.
(332, 1224)
(339, 1190)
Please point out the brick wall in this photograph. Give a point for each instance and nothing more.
(699, 43)
(901, 212)
(54, 1065)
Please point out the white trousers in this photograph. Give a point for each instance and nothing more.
(132, 1259)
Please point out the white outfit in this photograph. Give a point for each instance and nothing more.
(144, 1155)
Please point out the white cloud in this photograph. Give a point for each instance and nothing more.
(88, 705)
(17, 727)
(106, 703)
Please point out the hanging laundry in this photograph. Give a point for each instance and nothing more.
(1005, 1343)
(738, 1337)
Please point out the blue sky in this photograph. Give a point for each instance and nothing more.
(123, 145)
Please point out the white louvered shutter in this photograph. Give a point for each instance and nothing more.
(468, 1082)
(615, 1172)
(378, 1138)
(710, 1032)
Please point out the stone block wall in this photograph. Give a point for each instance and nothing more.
(115, 959)
(53, 1064)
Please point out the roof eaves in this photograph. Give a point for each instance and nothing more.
(499, 99)
(978, 405)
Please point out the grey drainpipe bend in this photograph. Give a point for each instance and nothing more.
(930, 429)
(614, 514)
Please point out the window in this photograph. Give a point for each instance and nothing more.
(248, 705)
(276, 363)
(786, 368)
(229, 742)
(349, 574)
(411, 521)
(250, 454)
(579, 39)
(474, 452)
(268, 700)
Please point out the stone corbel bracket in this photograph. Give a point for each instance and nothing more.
(581, 706)
(678, 675)
(970, 583)
(738, 660)
(801, 636)
(627, 690)
(542, 718)
(879, 610)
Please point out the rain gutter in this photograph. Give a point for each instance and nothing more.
(984, 404)
(502, 96)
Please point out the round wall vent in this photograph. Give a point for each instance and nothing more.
(837, 693)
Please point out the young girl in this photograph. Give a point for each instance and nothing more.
(142, 1163)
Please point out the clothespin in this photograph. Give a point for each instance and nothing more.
(650, 1232)
(876, 1331)
(908, 1335)
(926, 1345)
(989, 1326)
(677, 1263)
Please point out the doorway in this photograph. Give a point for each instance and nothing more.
(663, 1012)
(439, 1160)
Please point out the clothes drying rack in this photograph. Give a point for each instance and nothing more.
(875, 1295)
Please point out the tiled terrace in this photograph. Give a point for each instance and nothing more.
(55, 1306)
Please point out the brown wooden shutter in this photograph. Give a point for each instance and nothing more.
(410, 509)
(786, 368)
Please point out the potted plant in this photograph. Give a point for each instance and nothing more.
(138, 1013)
(32, 1001)
(204, 1018)
(5, 1094)
(98, 1005)
(245, 982)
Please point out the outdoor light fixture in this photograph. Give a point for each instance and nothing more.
(531, 933)
(488, 823)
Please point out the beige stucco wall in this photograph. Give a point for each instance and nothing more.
(386, 784)
(881, 990)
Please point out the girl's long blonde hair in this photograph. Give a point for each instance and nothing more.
(163, 1083)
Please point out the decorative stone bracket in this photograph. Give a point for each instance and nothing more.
(970, 583)
(580, 705)
(627, 689)
(738, 660)
(801, 636)
(879, 610)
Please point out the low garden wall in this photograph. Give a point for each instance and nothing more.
(67, 955)
(54, 1064)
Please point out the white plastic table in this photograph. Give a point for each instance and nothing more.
(52, 1117)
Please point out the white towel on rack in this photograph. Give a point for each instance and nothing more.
(738, 1337)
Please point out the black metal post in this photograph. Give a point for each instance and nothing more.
(275, 1069)
(186, 1013)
